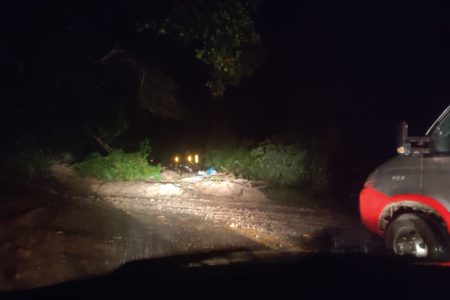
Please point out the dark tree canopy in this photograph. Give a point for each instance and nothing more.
(220, 31)
(95, 63)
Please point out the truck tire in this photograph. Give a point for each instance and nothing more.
(411, 235)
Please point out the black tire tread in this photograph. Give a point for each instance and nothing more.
(429, 230)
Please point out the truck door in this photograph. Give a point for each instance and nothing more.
(436, 166)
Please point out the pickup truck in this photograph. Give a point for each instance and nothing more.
(407, 199)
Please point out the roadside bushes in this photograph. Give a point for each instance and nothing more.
(119, 165)
(238, 161)
(278, 162)
(32, 163)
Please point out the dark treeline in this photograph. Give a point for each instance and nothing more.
(341, 74)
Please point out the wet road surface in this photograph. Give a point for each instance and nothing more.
(48, 239)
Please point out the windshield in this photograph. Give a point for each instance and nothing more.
(440, 131)
(440, 124)
(146, 129)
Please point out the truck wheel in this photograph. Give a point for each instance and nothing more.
(411, 235)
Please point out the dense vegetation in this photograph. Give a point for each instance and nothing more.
(277, 162)
(28, 164)
(119, 165)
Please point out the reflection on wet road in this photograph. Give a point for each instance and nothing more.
(47, 239)
(43, 241)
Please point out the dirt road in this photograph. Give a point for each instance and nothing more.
(49, 240)
(46, 239)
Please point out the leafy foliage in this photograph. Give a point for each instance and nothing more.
(88, 71)
(34, 163)
(157, 95)
(317, 173)
(279, 163)
(117, 124)
(221, 31)
(238, 161)
(119, 165)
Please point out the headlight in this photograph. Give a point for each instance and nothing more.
(189, 159)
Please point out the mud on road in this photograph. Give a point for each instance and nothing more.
(46, 240)
(91, 227)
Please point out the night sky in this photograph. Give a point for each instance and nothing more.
(342, 71)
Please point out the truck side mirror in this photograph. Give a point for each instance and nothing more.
(403, 144)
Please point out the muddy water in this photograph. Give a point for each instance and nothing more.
(45, 240)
